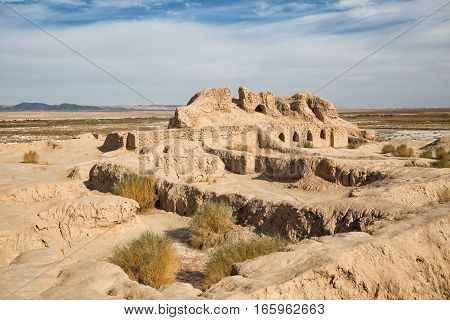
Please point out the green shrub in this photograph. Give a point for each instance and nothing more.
(31, 157)
(308, 144)
(441, 153)
(141, 188)
(150, 259)
(211, 224)
(403, 151)
(222, 259)
(427, 154)
(387, 148)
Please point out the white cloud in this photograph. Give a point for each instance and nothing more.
(169, 60)
(267, 9)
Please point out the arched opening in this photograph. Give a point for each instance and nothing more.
(281, 137)
(309, 136)
(323, 134)
(259, 109)
(296, 137)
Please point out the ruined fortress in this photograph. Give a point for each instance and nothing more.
(259, 119)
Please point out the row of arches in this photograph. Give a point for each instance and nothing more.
(309, 136)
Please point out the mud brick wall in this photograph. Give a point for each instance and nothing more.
(287, 135)
(218, 135)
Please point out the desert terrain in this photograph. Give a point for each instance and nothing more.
(255, 197)
(34, 126)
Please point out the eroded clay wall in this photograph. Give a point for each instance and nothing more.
(286, 136)
(223, 135)
(297, 135)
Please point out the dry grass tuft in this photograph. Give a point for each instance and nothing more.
(150, 259)
(211, 224)
(427, 154)
(222, 259)
(141, 188)
(241, 147)
(441, 163)
(308, 144)
(441, 154)
(444, 195)
(403, 151)
(353, 145)
(31, 157)
(416, 164)
(387, 148)
(190, 179)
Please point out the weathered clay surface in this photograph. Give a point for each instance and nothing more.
(61, 224)
(407, 260)
(45, 274)
(358, 209)
(44, 192)
(104, 175)
(76, 220)
(177, 159)
(292, 219)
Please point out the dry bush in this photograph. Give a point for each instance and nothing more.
(211, 224)
(441, 163)
(141, 188)
(190, 179)
(416, 164)
(403, 151)
(241, 147)
(149, 259)
(353, 145)
(444, 195)
(387, 148)
(427, 154)
(31, 157)
(222, 259)
(441, 153)
(308, 144)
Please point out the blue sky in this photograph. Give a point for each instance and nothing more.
(169, 49)
(81, 12)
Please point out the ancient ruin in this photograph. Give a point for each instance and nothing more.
(212, 115)
(360, 224)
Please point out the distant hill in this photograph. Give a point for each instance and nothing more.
(68, 107)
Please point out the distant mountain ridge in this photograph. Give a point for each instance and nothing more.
(68, 107)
